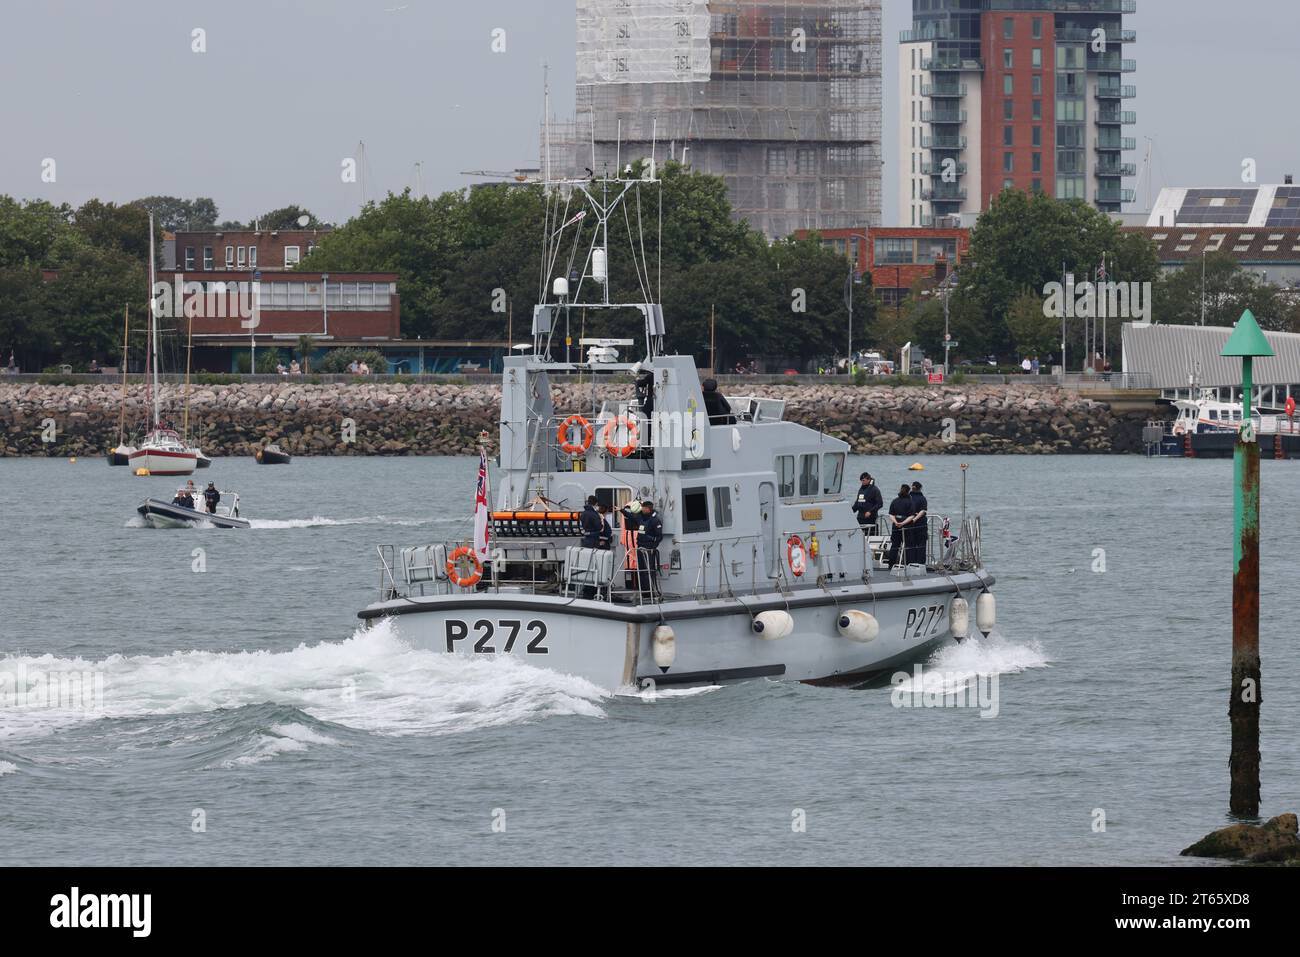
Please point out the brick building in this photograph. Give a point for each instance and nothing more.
(897, 257)
(338, 309)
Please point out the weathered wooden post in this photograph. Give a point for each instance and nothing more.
(1247, 342)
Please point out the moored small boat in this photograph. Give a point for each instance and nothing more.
(120, 455)
(272, 455)
(163, 453)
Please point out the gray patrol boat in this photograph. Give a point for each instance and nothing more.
(762, 571)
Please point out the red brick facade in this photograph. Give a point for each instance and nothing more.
(994, 122)
(907, 253)
(269, 250)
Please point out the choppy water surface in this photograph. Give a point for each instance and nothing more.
(246, 691)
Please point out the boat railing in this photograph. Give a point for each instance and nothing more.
(560, 567)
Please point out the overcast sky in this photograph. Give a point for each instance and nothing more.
(112, 92)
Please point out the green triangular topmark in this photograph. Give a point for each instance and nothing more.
(1247, 339)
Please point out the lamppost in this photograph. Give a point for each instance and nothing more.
(946, 287)
(852, 281)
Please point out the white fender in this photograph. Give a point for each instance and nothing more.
(986, 612)
(959, 618)
(858, 626)
(773, 625)
(664, 643)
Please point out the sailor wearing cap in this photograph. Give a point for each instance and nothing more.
(868, 504)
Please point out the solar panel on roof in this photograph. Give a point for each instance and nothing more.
(1286, 207)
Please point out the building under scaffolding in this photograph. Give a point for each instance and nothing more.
(780, 99)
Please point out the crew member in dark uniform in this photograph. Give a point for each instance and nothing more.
(591, 523)
(868, 504)
(716, 405)
(920, 529)
(900, 510)
(211, 497)
(650, 534)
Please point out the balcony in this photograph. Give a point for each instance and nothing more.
(937, 169)
(939, 31)
(1079, 35)
(943, 116)
(1116, 169)
(937, 90)
(1112, 64)
(1116, 91)
(1114, 196)
(943, 142)
(944, 194)
(1116, 117)
(950, 65)
(1111, 144)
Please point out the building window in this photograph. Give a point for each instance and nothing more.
(1008, 109)
(1037, 83)
(1008, 59)
(1008, 184)
(1008, 28)
(1038, 186)
(1038, 136)
(1038, 109)
(1008, 162)
(1038, 28)
(1008, 85)
(230, 256)
(292, 256)
(1008, 136)
(252, 257)
(207, 257)
(731, 160)
(189, 257)
(777, 165)
(243, 256)
(806, 162)
(1037, 58)
(1038, 163)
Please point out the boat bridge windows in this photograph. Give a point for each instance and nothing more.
(722, 506)
(819, 474)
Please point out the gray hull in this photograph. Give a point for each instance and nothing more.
(610, 645)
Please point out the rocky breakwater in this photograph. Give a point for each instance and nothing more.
(446, 418)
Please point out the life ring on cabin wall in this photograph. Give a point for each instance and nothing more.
(796, 556)
(453, 572)
(633, 436)
(566, 427)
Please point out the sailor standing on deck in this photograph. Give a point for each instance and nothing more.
(592, 524)
(919, 532)
(900, 510)
(606, 530)
(650, 534)
(868, 504)
(630, 517)
(211, 497)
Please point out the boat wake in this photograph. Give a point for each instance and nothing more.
(319, 694)
(319, 521)
(954, 666)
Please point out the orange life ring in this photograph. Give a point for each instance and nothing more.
(633, 436)
(588, 433)
(464, 581)
(795, 555)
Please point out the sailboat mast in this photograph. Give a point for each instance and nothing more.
(189, 354)
(126, 334)
(153, 319)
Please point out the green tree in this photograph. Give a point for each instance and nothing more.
(1025, 241)
(287, 217)
(1032, 332)
(109, 226)
(172, 213)
(1229, 290)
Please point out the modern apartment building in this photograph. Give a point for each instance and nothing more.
(780, 98)
(1024, 94)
